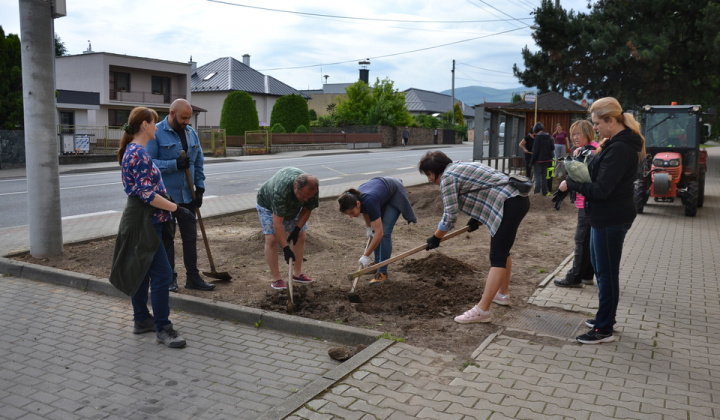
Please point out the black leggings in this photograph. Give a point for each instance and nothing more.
(514, 210)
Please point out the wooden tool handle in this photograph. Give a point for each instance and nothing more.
(199, 217)
(403, 255)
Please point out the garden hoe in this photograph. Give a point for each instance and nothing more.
(224, 276)
(352, 295)
(356, 299)
(291, 302)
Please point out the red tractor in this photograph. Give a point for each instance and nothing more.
(675, 165)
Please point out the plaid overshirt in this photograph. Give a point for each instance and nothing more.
(484, 205)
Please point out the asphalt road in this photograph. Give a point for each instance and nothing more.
(82, 194)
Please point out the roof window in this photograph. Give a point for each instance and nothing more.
(209, 76)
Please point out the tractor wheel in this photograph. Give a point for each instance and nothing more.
(640, 196)
(691, 200)
(701, 192)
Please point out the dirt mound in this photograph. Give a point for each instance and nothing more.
(438, 265)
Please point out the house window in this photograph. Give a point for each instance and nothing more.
(118, 117)
(119, 82)
(161, 86)
(67, 122)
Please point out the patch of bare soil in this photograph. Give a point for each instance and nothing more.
(422, 294)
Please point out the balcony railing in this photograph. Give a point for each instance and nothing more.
(142, 97)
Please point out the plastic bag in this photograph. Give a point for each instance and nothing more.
(577, 171)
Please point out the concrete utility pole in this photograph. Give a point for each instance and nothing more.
(41, 145)
(452, 99)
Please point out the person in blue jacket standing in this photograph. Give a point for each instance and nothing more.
(175, 135)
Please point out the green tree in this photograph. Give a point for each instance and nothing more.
(11, 105)
(459, 117)
(60, 48)
(427, 121)
(382, 105)
(655, 51)
(291, 111)
(312, 114)
(239, 114)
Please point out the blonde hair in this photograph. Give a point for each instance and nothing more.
(135, 120)
(586, 129)
(607, 108)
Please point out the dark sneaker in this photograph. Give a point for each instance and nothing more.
(589, 282)
(567, 283)
(379, 278)
(591, 323)
(174, 285)
(147, 325)
(196, 282)
(170, 337)
(594, 336)
(302, 278)
(278, 285)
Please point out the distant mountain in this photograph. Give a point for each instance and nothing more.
(473, 95)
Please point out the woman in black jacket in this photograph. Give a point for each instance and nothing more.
(542, 156)
(609, 206)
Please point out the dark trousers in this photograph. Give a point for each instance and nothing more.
(582, 268)
(528, 165)
(188, 234)
(540, 174)
(606, 251)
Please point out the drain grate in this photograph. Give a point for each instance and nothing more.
(557, 324)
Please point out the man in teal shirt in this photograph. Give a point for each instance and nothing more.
(284, 204)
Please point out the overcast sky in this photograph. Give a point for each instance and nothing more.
(411, 42)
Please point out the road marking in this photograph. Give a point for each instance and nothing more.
(82, 216)
(407, 167)
(330, 179)
(372, 173)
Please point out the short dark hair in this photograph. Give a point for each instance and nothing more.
(538, 127)
(306, 179)
(434, 162)
(348, 199)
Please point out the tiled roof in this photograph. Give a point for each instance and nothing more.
(227, 74)
(424, 101)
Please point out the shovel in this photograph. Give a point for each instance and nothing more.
(352, 295)
(291, 302)
(359, 273)
(224, 276)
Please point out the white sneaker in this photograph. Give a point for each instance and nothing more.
(475, 314)
(501, 300)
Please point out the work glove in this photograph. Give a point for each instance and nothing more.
(473, 224)
(183, 214)
(370, 232)
(432, 243)
(364, 261)
(293, 237)
(289, 255)
(182, 163)
(557, 198)
(199, 191)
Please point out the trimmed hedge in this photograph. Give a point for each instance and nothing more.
(239, 114)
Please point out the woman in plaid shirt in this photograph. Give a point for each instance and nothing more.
(484, 194)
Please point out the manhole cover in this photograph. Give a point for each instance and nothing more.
(552, 323)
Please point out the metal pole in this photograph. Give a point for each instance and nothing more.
(38, 78)
(452, 101)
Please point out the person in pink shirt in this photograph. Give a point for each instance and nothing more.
(562, 146)
(582, 272)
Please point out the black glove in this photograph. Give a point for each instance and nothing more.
(182, 163)
(293, 237)
(199, 191)
(432, 243)
(183, 214)
(289, 255)
(557, 198)
(474, 224)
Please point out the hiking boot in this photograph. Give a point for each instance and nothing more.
(144, 326)
(500, 299)
(475, 314)
(194, 281)
(379, 278)
(591, 323)
(170, 337)
(302, 278)
(567, 283)
(588, 282)
(173, 285)
(594, 336)
(278, 284)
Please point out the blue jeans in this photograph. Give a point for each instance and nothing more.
(605, 253)
(383, 252)
(157, 280)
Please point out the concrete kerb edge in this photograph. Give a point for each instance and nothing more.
(559, 268)
(245, 315)
(320, 385)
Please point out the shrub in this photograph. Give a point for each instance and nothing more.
(239, 114)
(278, 128)
(301, 129)
(291, 111)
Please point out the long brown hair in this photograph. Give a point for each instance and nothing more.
(137, 116)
